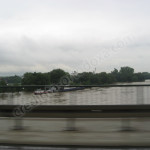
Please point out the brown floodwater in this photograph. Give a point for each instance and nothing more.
(91, 96)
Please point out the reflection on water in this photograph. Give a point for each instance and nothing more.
(91, 96)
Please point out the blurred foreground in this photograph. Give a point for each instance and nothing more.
(88, 132)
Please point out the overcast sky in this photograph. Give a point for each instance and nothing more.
(80, 35)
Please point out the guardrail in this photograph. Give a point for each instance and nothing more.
(72, 112)
(75, 111)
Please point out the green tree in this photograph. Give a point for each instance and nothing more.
(34, 79)
(3, 82)
(126, 74)
(13, 80)
(103, 78)
(115, 75)
(56, 75)
(146, 75)
(139, 76)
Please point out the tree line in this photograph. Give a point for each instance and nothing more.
(125, 74)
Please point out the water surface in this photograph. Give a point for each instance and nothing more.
(90, 96)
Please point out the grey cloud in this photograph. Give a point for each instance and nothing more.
(39, 36)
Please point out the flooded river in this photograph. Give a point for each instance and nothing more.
(91, 96)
